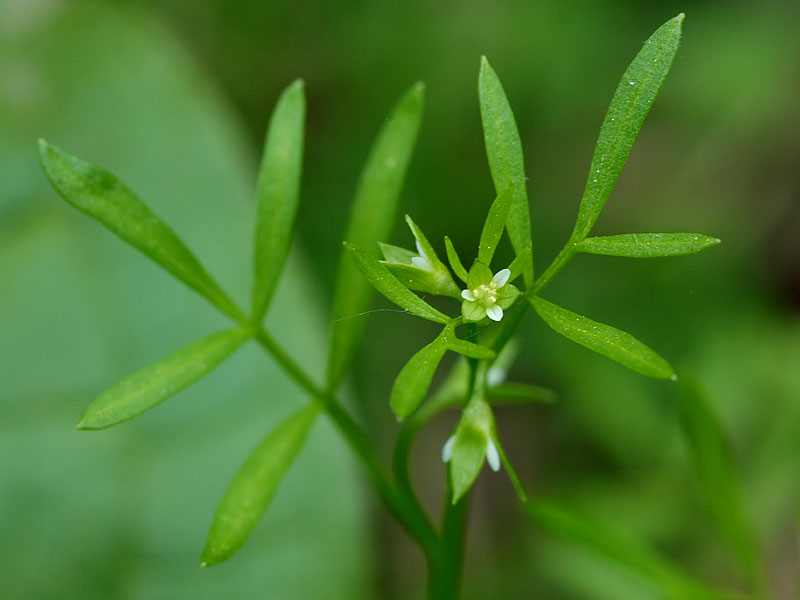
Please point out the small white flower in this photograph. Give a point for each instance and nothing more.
(489, 298)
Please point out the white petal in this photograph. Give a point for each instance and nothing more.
(467, 295)
(501, 277)
(492, 457)
(420, 251)
(421, 263)
(494, 312)
(447, 449)
(495, 376)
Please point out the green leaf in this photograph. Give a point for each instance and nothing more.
(388, 285)
(469, 349)
(469, 452)
(504, 152)
(520, 393)
(647, 245)
(712, 460)
(512, 474)
(411, 385)
(101, 195)
(454, 260)
(396, 254)
(494, 224)
(603, 339)
(635, 94)
(371, 220)
(155, 383)
(278, 193)
(423, 242)
(255, 485)
(621, 549)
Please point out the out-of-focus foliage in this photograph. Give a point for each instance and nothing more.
(124, 515)
(92, 515)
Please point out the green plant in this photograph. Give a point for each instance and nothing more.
(489, 309)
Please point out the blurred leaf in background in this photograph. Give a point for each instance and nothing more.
(123, 514)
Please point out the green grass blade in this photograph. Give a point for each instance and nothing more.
(455, 260)
(411, 385)
(604, 339)
(506, 163)
(391, 287)
(255, 485)
(647, 245)
(101, 195)
(277, 195)
(494, 225)
(713, 463)
(371, 220)
(153, 384)
(632, 100)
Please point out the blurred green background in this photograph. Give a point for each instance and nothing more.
(174, 96)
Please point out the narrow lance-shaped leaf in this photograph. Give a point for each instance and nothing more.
(455, 260)
(510, 392)
(506, 163)
(277, 194)
(391, 287)
(632, 100)
(713, 464)
(255, 485)
(101, 195)
(604, 339)
(647, 245)
(155, 383)
(494, 224)
(469, 349)
(415, 378)
(371, 220)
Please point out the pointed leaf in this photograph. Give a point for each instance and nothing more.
(255, 485)
(278, 193)
(714, 467)
(101, 195)
(504, 152)
(155, 383)
(512, 474)
(411, 385)
(603, 339)
(632, 100)
(469, 452)
(494, 224)
(647, 245)
(388, 285)
(454, 260)
(423, 242)
(520, 393)
(469, 349)
(372, 217)
(396, 254)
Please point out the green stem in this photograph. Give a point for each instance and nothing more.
(402, 505)
(567, 252)
(445, 567)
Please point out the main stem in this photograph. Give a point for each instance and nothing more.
(397, 501)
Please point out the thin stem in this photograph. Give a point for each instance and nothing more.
(397, 501)
(567, 252)
(444, 568)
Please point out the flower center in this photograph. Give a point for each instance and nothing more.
(486, 294)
